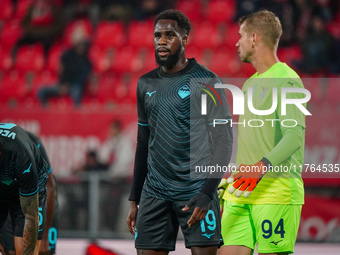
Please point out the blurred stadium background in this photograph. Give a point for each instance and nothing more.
(93, 204)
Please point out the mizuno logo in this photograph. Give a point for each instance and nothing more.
(27, 170)
(276, 242)
(208, 235)
(150, 93)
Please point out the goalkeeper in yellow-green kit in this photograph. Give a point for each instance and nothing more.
(263, 201)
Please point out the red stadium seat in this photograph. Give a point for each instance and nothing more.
(12, 86)
(77, 30)
(44, 78)
(191, 51)
(231, 36)
(140, 34)
(220, 11)
(106, 88)
(191, 8)
(10, 33)
(131, 94)
(149, 61)
(53, 58)
(290, 53)
(101, 58)
(220, 61)
(21, 9)
(141, 61)
(122, 88)
(206, 35)
(123, 59)
(109, 34)
(5, 60)
(6, 10)
(30, 58)
(334, 28)
(205, 57)
(62, 102)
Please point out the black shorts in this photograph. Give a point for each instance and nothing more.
(158, 222)
(11, 206)
(18, 219)
(7, 237)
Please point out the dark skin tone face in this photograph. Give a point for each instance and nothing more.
(169, 39)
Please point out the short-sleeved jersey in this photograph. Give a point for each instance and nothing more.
(43, 172)
(20, 160)
(254, 143)
(170, 106)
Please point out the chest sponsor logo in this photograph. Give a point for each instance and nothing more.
(184, 91)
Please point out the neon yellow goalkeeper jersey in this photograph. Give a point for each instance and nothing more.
(261, 133)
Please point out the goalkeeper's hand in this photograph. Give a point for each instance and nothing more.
(246, 179)
(221, 187)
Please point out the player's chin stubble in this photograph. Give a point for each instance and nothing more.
(171, 61)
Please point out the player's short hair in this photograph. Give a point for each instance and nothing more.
(266, 24)
(182, 20)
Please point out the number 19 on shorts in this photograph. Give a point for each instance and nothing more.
(208, 223)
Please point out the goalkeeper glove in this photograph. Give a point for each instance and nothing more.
(221, 189)
(246, 179)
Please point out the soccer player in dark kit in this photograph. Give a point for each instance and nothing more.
(175, 136)
(48, 226)
(23, 176)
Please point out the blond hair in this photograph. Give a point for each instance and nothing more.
(266, 24)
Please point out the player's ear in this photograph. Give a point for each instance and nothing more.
(254, 39)
(184, 40)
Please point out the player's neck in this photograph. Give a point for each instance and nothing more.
(181, 64)
(264, 60)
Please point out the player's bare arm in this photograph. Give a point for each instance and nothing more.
(29, 206)
(51, 197)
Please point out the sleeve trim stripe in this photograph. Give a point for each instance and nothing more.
(143, 124)
(29, 194)
(49, 170)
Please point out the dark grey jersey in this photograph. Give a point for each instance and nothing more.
(169, 105)
(21, 163)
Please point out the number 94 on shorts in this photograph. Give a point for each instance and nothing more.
(273, 227)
